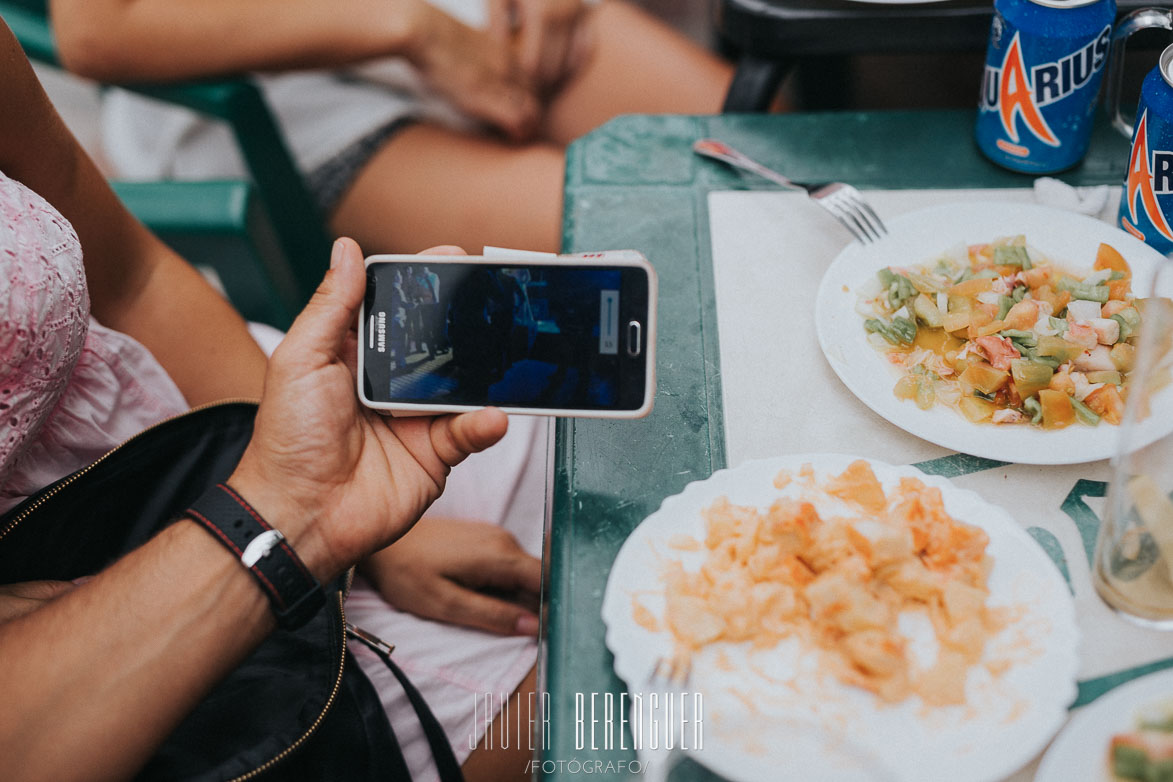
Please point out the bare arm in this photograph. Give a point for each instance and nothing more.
(130, 40)
(169, 620)
(137, 284)
(165, 40)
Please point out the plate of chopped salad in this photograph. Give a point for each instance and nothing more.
(1006, 331)
(845, 620)
(1125, 735)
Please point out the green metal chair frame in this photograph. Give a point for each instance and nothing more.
(295, 243)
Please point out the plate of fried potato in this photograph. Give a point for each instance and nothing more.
(844, 619)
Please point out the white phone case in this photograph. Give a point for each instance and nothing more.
(498, 256)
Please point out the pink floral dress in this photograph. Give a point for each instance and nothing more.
(70, 389)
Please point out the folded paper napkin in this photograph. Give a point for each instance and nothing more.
(1093, 201)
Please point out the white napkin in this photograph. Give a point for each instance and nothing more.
(1093, 201)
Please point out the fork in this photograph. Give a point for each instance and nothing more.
(839, 198)
(668, 679)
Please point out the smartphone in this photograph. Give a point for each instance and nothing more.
(565, 335)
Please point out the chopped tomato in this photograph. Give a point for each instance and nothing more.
(1108, 258)
(993, 327)
(1037, 276)
(971, 287)
(1106, 402)
(1112, 307)
(1057, 299)
(1062, 382)
(1058, 411)
(1118, 290)
(1022, 315)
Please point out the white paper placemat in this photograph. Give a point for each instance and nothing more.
(780, 396)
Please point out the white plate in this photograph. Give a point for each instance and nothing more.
(1066, 238)
(770, 711)
(1081, 750)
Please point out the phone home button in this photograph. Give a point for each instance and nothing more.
(634, 334)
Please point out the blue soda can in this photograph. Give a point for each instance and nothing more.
(1146, 206)
(1044, 64)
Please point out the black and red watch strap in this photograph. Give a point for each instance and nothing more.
(293, 591)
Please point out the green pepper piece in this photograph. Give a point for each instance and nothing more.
(1030, 376)
(1081, 290)
(900, 290)
(1026, 338)
(1047, 361)
(1012, 255)
(901, 331)
(1160, 771)
(1129, 320)
(1032, 407)
(906, 329)
(1130, 763)
(1004, 305)
(1084, 413)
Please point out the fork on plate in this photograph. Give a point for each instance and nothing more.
(839, 198)
(668, 679)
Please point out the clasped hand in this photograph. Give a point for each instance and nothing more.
(502, 75)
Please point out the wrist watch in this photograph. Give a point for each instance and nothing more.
(293, 592)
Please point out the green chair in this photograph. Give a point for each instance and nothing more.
(265, 239)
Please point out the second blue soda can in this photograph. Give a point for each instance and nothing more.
(1146, 205)
(1044, 64)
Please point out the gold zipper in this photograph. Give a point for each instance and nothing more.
(321, 716)
(341, 595)
(60, 486)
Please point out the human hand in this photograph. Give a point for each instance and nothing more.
(547, 37)
(338, 479)
(27, 596)
(476, 72)
(447, 570)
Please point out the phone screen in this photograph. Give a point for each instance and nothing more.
(533, 336)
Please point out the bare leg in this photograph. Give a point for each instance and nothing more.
(497, 764)
(430, 186)
(639, 65)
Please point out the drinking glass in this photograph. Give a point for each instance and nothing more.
(1133, 563)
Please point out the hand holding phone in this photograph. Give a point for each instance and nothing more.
(561, 335)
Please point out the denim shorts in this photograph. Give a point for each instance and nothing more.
(328, 182)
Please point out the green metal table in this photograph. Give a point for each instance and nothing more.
(634, 183)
